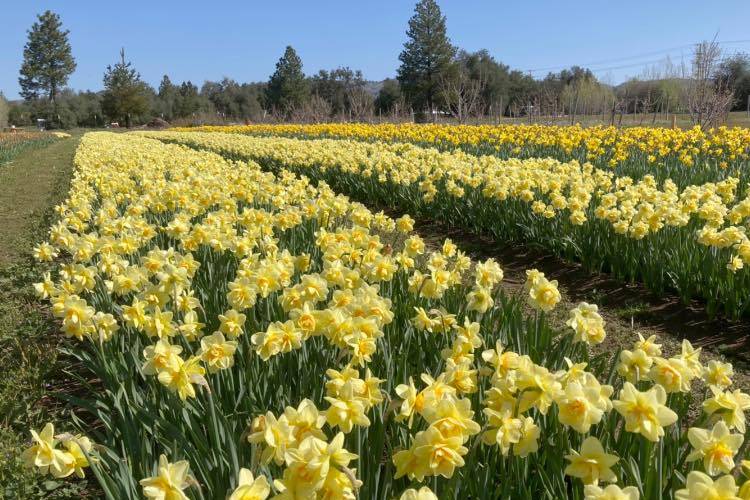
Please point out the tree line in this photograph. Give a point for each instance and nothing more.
(435, 79)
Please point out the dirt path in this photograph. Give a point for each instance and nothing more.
(30, 186)
(27, 185)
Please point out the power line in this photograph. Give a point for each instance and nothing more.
(639, 64)
(607, 61)
(665, 52)
(633, 65)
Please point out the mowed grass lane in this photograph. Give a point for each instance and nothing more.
(30, 186)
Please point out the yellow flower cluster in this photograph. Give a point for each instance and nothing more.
(549, 187)
(638, 228)
(314, 466)
(256, 326)
(614, 145)
(45, 455)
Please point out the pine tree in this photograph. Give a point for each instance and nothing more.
(167, 98)
(47, 59)
(125, 94)
(166, 86)
(426, 55)
(188, 101)
(287, 88)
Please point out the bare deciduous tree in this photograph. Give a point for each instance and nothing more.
(314, 110)
(399, 111)
(708, 98)
(461, 94)
(360, 103)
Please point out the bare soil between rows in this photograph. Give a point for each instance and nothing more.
(664, 313)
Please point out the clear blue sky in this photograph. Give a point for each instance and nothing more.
(196, 41)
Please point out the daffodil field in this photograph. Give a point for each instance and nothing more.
(691, 240)
(244, 330)
(684, 156)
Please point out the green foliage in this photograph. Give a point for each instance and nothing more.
(426, 55)
(26, 113)
(47, 64)
(232, 100)
(4, 111)
(735, 71)
(389, 97)
(70, 109)
(166, 99)
(47, 58)
(554, 84)
(287, 89)
(645, 96)
(522, 90)
(179, 101)
(336, 87)
(586, 96)
(670, 92)
(85, 107)
(188, 101)
(56, 114)
(494, 77)
(126, 96)
(19, 115)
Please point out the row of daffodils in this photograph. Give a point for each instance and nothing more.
(691, 154)
(692, 240)
(247, 335)
(12, 143)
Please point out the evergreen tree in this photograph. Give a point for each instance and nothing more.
(287, 88)
(426, 55)
(188, 100)
(47, 59)
(125, 94)
(166, 86)
(166, 98)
